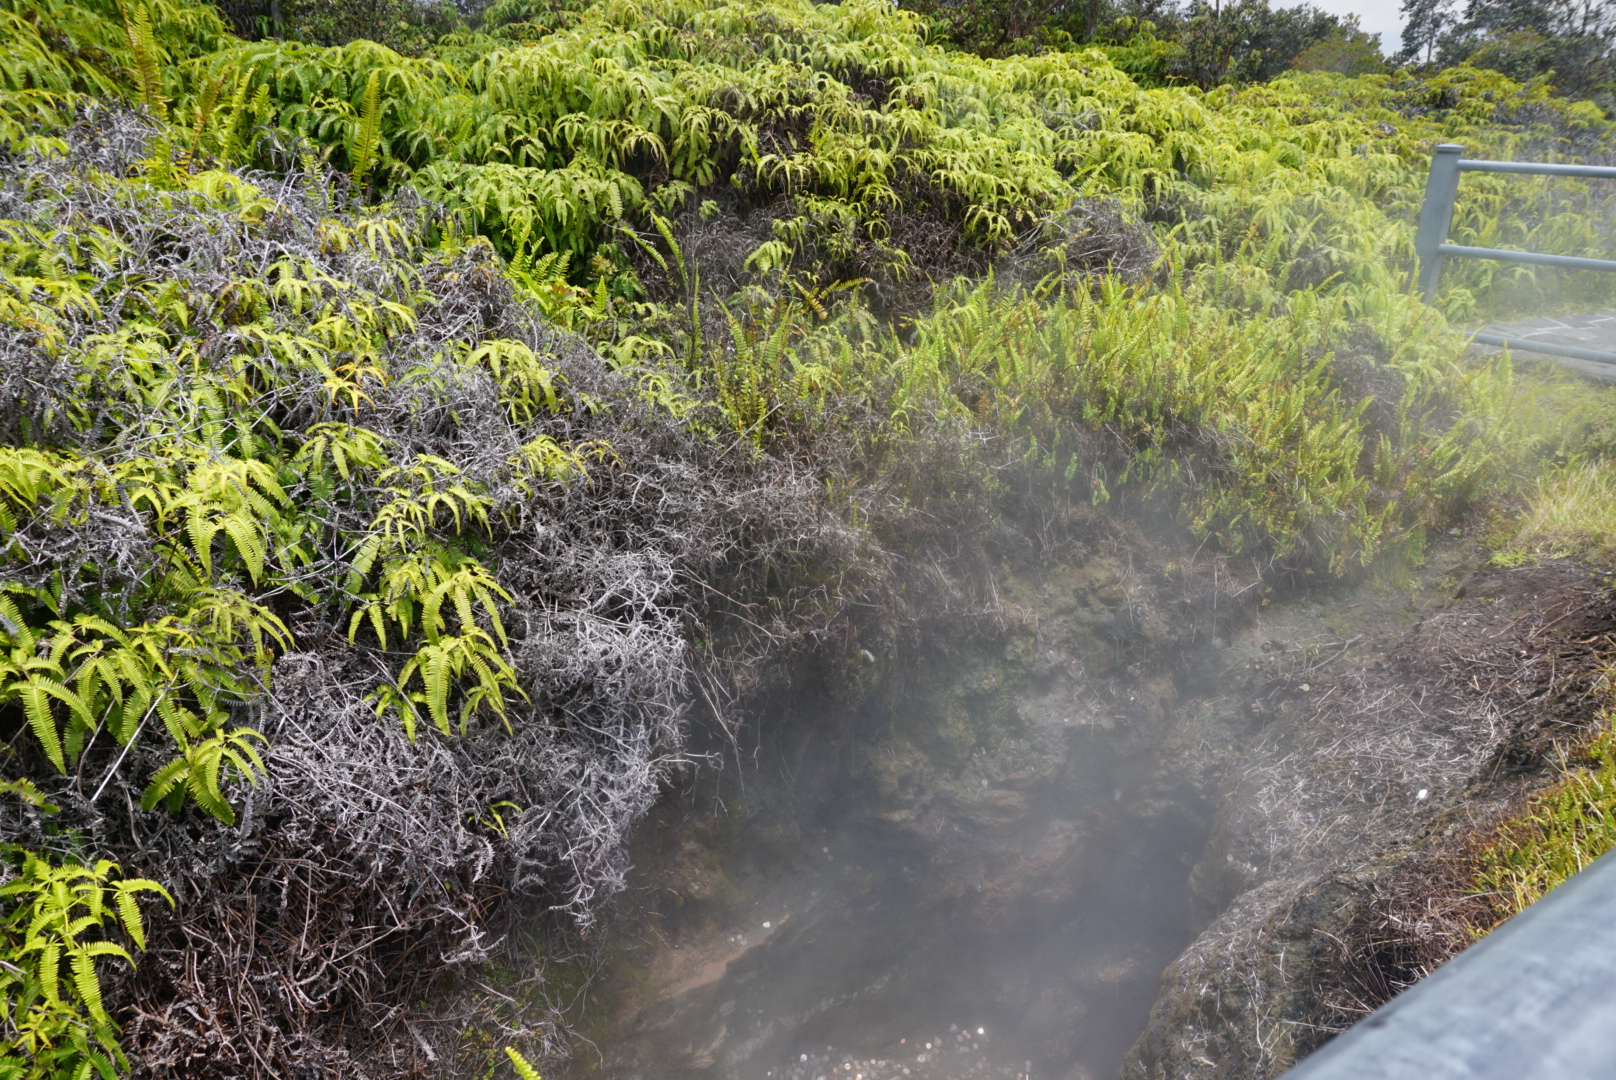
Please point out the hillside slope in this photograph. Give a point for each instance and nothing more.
(395, 448)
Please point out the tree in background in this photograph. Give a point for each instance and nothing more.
(408, 26)
(1004, 27)
(1159, 41)
(1423, 26)
(1249, 41)
(1156, 41)
(1351, 53)
(1571, 42)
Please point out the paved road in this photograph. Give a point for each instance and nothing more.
(1596, 331)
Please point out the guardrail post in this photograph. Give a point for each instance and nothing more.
(1436, 214)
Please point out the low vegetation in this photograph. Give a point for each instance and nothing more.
(1572, 821)
(392, 445)
(1569, 513)
(1566, 827)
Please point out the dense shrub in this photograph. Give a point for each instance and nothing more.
(313, 533)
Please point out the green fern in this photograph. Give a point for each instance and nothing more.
(350, 450)
(147, 58)
(520, 1064)
(413, 587)
(468, 663)
(528, 385)
(204, 764)
(76, 676)
(25, 790)
(206, 107)
(55, 917)
(367, 140)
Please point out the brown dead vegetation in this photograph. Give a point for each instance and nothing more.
(1344, 857)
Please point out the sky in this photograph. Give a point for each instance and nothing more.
(1374, 17)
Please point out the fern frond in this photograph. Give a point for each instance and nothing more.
(50, 959)
(437, 672)
(25, 790)
(88, 985)
(163, 782)
(249, 542)
(129, 915)
(36, 706)
(520, 1064)
(368, 138)
(143, 48)
(13, 624)
(205, 106)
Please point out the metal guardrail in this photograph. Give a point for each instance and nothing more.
(1533, 1000)
(1436, 215)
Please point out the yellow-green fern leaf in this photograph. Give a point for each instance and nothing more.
(36, 706)
(143, 47)
(129, 915)
(50, 958)
(87, 985)
(368, 139)
(520, 1064)
(249, 541)
(436, 674)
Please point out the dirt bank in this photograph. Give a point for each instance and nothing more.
(1331, 864)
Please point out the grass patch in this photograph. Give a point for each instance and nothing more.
(1571, 511)
(1565, 828)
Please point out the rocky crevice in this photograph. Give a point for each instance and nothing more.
(1020, 831)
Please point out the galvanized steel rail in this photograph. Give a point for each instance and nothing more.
(1436, 215)
(1533, 1000)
